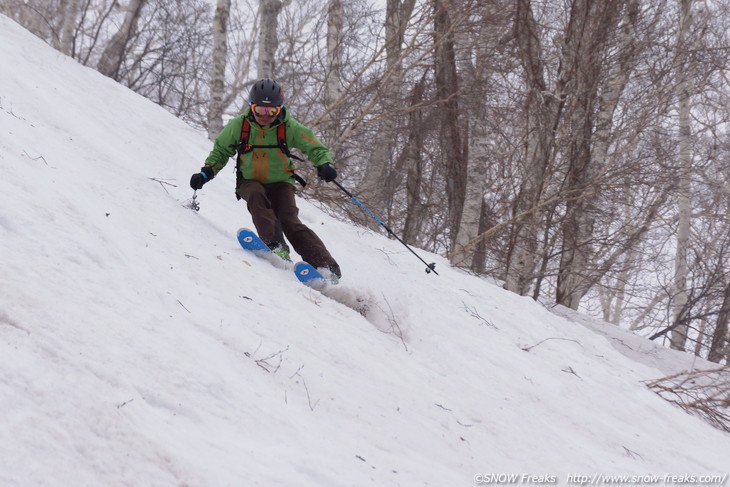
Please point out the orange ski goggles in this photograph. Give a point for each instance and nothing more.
(266, 111)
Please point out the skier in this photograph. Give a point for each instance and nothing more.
(261, 138)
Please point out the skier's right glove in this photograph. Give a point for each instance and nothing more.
(327, 172)
(199, 179)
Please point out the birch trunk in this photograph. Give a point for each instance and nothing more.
(542, 111)
(218, 76)
(450, 122)
(471, 217)
(330, 124)
(335, 36)
(678, 336)
(268, 36)
(417, 208)
(477, 159)
(720, 344)
(592, 24)
(65, 40)
(377, 185)
(113, 55)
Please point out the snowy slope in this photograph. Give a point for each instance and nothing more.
(139, 345)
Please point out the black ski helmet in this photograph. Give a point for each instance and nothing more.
(266, 92)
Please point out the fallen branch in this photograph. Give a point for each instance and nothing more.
(474, 313)
(36, 158)
(527, 349)
(263, 362)
(395, 328)
(183, 306)
(164, 182)
(705, 393)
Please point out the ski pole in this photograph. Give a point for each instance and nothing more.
(194, 205)
(429, 267)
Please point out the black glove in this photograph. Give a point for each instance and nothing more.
(327, 172)
(199, 179)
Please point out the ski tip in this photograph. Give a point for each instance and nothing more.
(311, 276)
(250, 241)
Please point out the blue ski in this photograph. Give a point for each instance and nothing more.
(308, 274)
(250, 241)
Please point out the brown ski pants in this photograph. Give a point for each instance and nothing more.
(268, 203)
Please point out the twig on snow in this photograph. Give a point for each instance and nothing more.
(164, 182)
(527, 349)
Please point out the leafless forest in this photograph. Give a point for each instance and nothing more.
(573, 150)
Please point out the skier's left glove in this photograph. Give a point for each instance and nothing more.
(199, 179)
(327, 172)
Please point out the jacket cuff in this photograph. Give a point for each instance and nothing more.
(208, 172)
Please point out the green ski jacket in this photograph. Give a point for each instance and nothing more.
(270, 164)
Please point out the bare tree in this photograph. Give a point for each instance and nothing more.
(451, 135)
(268, 36)
(543, 108)
(113, 55)
(587, 40)
(335, 36)
(217, 81)
(684, 171)
(416, 202)
(720, 339)
(64, 42)
(478, 42)
(377, 183)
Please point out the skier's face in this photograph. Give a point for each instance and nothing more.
(265, 115)
(264, 120)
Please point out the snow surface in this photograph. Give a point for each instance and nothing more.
(140, 346)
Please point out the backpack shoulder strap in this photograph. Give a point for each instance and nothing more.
(243, 145)
(281, 140)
